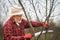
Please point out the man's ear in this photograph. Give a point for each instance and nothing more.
(13, 17)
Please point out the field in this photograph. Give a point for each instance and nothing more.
(50, 36)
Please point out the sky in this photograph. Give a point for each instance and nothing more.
(40, 5)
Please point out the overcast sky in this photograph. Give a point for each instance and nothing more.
(29, 9)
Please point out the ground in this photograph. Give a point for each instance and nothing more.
(50, 36)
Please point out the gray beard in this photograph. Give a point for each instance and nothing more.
(18, 22)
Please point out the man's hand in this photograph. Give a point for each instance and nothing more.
(46, 25)
(28, 36)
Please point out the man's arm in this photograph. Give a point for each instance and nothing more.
(36, 24)
(33, 23)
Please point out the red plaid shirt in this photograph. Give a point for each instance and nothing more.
(14, 32)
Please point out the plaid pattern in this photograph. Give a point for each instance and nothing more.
(14, 32)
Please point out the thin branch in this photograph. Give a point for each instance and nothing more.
(47, 18)
(6, 10)
(55, 15)
(55, 6)
(46, 8)
(29, 15)
(34, 10)
(10, 3)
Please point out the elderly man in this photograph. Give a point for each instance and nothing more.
(14, 26)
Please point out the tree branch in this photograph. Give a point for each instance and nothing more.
(27, 18)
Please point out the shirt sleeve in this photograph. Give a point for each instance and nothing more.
(34, 24)
(8, 35)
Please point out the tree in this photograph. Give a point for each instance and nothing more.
(41, 9)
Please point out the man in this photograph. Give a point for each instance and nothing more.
(14, 26)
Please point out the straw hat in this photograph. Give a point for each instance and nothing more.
(16, 11)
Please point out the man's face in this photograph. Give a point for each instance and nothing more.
(17, 18)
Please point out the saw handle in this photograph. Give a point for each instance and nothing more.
(27, 38)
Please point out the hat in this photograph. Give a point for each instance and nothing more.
(16, 11)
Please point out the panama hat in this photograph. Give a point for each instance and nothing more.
(16, 11)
